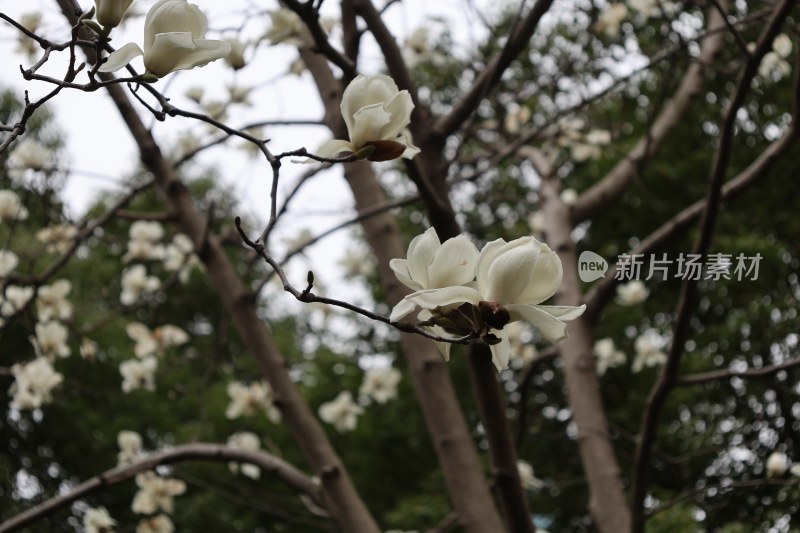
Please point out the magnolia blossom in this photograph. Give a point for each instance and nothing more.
(11, 207)
(513, 279)
(8, 262)
(58, 238)
(156, 493)
(774, 65)
(88, 349)
(156, 341)
(33, 383)
(247, 400)
(156, 524)
(28, 154)
(236, 58)
(174, 39)
(569, 196)
(239, 94)
(418, 51)
(143, 244)
(179, 257)
(527, 477)
(137, 374)
(136, 283)
(356, 263)
(110, 12)
(380, 384)
(195, 93)
(607, 355)
(13, 299)
(245, 440)
(795, 470)
(611, 18)
(130, 447)
(97, 520)
(51, 339)
(286, 28)
(653, 8)
(52, 303)
(777, 464)
(649, 351)
(536, 222)
(377, 114)
(632, 293)
(342, 412)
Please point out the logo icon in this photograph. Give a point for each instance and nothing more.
(591, 266)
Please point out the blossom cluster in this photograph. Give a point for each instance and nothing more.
(461, 291)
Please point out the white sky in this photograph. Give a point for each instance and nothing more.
(100, 151)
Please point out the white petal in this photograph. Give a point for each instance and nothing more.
(453, 263)
(120, 58)
(400, 269)
(399, 107)
(368, 123)
(179, 51)
(420, 254)
(552, 328)
(488, 254)
(171, 16)
(563, 312)
(433, 298)
(333, 148)
(403, 308)
(545, 278)
(510, 272)
(501, 352)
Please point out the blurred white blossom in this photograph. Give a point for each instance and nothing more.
(179, 257)
(632, 293)
(649, 351)
(342, 412)
(33, 383)
(527, 477)
(247, 400)
(380, 384)
(136, 283)
(156, 493)
(245, 440)
(52, 303)
(607, 355)
(8, 262)
(777, 464)
(155, 524)
(611, 18)
(51, 339)
(11, 207)
(286, 28)
(155, 341)
(97, 520)
(58, 238)
(130, 447)
(28, 154)
(138, 374)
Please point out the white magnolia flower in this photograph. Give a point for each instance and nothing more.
(236, 58)
(418, 51)
(245, 440)
(174, 39)
(52, 303)
(97, 520)
(195, 93)
(58, 238)
(51, 339)
(156, 524)
(156, 341)
(31, 21)
(513, 279)
(774, 67)
(137, 374)
(782, 45)
(136, 283)
(380, 384)
(527, 477)
(8, 262)
(286, 28)
(13, 299)
(611, 18)
(632, 293)
(247, 400)
(156, 493)
(130, 447)
(536, 222)
(356, 263)
(240, 94)
(11, 207)
(342, 412)
(143, 244)
(33, 383)
(110, 12)
(88, 349)
(569, 196)
(777, 464)
(795, 470)
(28, 154)
(179, 257)
(654, 8)
(377, 114)
(607, 355)
(649, 352)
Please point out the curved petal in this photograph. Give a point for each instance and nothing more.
(563, 312)
(179, 51)
(173, 16)
(333, 148)
(403, 308)
(501, 352)
(552, 328)
(453, 263)
(121, 57)
(434, 298)
(411, 150)
(399, 107)
(488, 254)
(368, 122)
(545, 278)
(420, 253)
(400, 269)
(510, 273)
